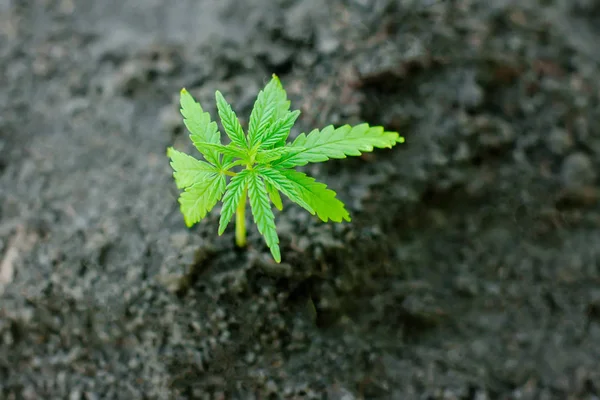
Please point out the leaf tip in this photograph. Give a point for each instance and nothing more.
(276, 254)
(277, 81)
(400, 139)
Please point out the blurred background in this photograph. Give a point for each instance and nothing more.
(471, 267)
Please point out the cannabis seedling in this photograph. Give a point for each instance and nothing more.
(260, 163)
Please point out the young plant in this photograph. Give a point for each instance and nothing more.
(260, 164)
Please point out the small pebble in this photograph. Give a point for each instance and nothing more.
(577, 170)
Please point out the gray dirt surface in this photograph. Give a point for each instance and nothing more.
(471, 269)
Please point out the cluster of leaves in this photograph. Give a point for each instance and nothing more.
(260, 164)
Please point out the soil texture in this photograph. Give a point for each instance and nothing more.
(470, 270)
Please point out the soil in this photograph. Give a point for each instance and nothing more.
(470, 270)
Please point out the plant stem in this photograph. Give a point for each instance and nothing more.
(240, 222)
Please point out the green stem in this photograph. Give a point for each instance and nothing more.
(240, 222)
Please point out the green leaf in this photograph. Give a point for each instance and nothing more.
(230, 151)
(188, 170)
(230, 122)
(268, 156)
(274, 195)
(338, 143)
(231, 164)
(286, 186)
(317, 196)
(271, 104)
(279, 131)
(234, 194)
(197, 200)
(201, 128)
(263, 215)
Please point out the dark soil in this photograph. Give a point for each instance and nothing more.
(471, 269)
